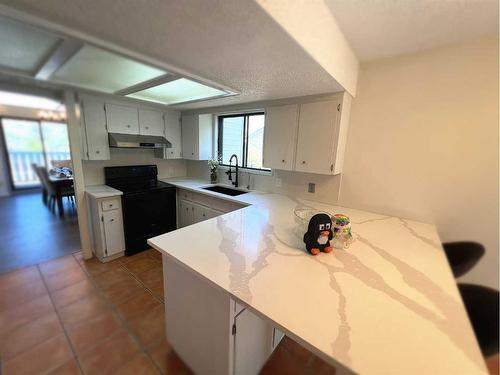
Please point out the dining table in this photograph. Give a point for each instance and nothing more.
(60, 182)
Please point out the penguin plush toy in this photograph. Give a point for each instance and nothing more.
(318, 235)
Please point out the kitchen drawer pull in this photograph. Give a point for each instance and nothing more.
(283, 160)
(112, 220)
(303, 161)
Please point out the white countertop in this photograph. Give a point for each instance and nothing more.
(102, 191)
(387, 305)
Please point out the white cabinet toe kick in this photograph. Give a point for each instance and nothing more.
(211, 332)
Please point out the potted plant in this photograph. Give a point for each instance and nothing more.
(213, 165)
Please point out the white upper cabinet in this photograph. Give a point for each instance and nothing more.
(95, 139)
(173, 133)
(280, 136)
(151, 122)
(122, 119)
(316, 140)
(308, 137)
(197, 139)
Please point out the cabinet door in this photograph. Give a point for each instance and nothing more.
(252, 343)
(94, 118)
(151, 122)
(122, 119)
(113, 232)
(190, 137)
(280, 136)
(185, 213)
(200, 213)
(173, 134)
(316, 140)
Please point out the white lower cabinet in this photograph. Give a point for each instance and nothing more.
(108, 240)
(195, 207)
(208, 330)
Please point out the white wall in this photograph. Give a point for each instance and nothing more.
(292, 183)
(423, 144)
(93, 171)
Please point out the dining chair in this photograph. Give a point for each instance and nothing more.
(462, 256)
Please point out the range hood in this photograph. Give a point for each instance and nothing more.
(138, 141)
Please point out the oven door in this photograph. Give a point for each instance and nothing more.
(145, 215)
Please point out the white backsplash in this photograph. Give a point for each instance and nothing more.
(93, 171)
(292, 183)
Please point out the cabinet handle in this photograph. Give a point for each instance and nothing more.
(192, 153)
(283, 160)
(112, 220)
(147, 127)
(128, 126)
(98, 152)
(303, 161)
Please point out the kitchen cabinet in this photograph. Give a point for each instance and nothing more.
(94, 134)
(151, 122)
(196, 207)
(308, 137)
(197, 137)
(122, 119)
(209, 330)
(280, 136)
(173, 134)
(108, 240)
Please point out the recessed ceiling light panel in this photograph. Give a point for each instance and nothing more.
(178, 91)
(97, 69)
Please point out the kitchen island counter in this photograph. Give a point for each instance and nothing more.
(387, 305)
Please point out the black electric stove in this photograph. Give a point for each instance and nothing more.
(148, 205)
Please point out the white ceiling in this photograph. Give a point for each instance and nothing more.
(237, 44)
(233, 43)
(383, 28)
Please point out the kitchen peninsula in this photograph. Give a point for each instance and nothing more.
(387, 305)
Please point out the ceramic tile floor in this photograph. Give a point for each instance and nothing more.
(71, 316)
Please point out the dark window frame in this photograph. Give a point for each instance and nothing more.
(220, 133)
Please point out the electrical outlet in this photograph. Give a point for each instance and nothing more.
(278, 182)
(312, 187)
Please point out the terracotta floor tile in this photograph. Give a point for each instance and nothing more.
(167, 360)
(120, 292)
(40, 359)
(109, 355)
(73, 293)
(150, 328)
(282, 362)
(64, 279)
(320, 367)
(157, 290)
(29, 335)
(95, 267)
(28, 275)
(137, 266)
(23, 293)
(69, 368)
(152, 276)
(79, 257)
(90, 333)
(115, 276)
(58, 265)
(141, 255)
(296, 350)
(140, 365)
(137, 306)
(83, 310)
(21, 314)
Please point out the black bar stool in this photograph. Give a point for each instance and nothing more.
(481, 304)
(462, 256)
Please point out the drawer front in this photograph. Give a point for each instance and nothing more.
(225, 206)
(185, 195)
(203, 199)
(110, 204)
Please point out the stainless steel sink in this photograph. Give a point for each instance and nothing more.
(225, 190)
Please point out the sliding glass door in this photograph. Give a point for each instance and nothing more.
(29, 142)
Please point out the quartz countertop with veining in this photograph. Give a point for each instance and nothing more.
(387, 305)
(102, 191)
